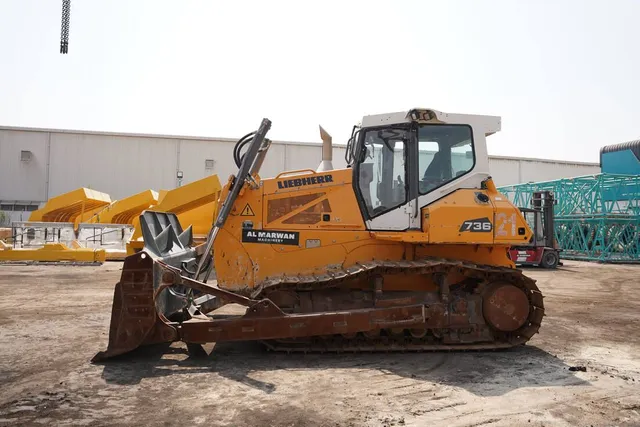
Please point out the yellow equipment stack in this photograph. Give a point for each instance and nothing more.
(125, 211)
(75, 206)
(52, 252)
(195, 204)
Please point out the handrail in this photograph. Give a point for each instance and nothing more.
(294, 172)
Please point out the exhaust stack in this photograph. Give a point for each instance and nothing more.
(327, 152)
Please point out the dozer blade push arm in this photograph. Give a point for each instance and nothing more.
(243, 174)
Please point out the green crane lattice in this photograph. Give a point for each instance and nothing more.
(597, 216)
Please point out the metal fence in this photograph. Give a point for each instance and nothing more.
(597, 216)
(27, 234)
(107, 236)
(32, 234)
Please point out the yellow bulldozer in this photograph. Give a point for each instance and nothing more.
(405, 249)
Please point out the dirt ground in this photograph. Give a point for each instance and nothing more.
(53, 319)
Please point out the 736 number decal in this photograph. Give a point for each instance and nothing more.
(480, 225)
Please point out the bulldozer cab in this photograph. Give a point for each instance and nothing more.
(403, 161)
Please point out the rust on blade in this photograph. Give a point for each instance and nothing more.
(134, 320)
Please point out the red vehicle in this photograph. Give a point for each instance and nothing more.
(542, 250)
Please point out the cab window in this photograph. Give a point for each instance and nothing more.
(382, 170)
(445, 153)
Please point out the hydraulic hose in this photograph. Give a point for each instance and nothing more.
(237, 149)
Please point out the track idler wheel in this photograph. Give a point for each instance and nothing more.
(505, 306)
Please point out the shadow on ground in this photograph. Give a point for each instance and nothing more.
(482, 373)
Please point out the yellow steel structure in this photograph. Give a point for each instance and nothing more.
(52, 252)
(75, 206)
(195, 204)
(87, 215)
(199, 218)
(125, 211)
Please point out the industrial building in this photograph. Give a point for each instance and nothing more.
(37, 164)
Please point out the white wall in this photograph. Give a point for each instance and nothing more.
(23, 180)
(121, 165)
(116, 165)
(511, 170)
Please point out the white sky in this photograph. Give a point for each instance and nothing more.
(564, 75)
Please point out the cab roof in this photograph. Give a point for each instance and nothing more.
(489, 124)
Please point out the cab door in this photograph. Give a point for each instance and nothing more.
(382, 182)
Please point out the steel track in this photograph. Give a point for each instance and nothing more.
(389, 342)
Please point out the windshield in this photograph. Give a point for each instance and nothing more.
(445, 153)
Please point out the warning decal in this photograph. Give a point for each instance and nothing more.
(247, 211)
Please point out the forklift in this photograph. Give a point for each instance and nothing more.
(542, 249)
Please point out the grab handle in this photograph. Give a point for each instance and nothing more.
(311, 171)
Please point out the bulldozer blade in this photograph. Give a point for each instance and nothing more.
(139, 315)
(134, 319)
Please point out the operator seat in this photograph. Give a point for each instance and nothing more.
(435, 168)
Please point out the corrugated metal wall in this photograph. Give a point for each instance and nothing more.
(121, 165)
(23, 180)
(510, 170)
